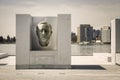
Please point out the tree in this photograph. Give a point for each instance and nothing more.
(14, 39)
(1, 39)
(8, 38)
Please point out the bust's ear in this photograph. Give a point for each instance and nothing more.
(37, 30)
(36, 27)
(51, 32)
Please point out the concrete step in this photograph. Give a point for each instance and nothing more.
(3, 55)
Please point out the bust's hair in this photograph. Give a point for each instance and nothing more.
(46, 23)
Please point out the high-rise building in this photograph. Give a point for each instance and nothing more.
(84, 33)
(94, 34)
(78, 34)
(98, 34)
(73, 37)
(106, 34)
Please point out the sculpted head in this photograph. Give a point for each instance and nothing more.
(44, 32)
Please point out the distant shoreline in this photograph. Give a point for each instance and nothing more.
(8, 43)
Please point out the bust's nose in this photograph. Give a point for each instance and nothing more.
(43, 32)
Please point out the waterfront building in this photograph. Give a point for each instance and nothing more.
(105, 34)
(73, 37)
(78, 34)
(94, 34)
(84, 33)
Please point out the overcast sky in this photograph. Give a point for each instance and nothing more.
(98, 13)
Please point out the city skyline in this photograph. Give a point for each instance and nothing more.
(98, 13)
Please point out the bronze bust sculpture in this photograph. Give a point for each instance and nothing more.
(44, 32)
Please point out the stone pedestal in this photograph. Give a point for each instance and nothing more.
(59, 56)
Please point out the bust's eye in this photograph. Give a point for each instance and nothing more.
(46, 31)
(41, 30)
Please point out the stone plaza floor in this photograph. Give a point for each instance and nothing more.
(8, 72)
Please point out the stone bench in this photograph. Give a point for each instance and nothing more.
(3, 55)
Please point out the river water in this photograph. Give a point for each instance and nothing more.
(88, 50)
(10, 49)
(76, 49)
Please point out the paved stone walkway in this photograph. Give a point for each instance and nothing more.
(8, 72)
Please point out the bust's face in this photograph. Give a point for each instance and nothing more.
(44, 32)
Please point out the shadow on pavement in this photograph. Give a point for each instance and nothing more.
(93, 67)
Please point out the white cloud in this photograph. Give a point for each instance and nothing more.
(94, 12)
